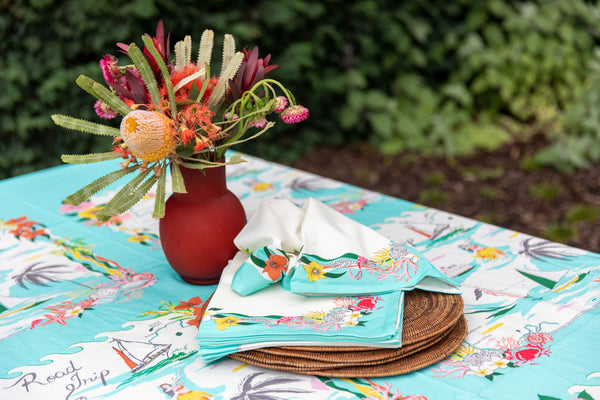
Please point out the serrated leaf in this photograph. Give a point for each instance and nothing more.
(206, 47)
(118, 208)
(83, 125)
(145, 71)
(159, 201)
(227, 74)
(177, 179)
(101, 92)
(89, 190)
(88, 158)
(127, 196)
(164, 72)
(205, 84)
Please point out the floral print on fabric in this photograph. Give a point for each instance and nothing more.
(347, 312)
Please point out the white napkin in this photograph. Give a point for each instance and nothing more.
(318, 251)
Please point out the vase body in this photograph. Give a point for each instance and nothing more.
(198, 228)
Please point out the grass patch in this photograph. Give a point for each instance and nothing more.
(582, 213)
(560, 232)
(435, 178)
(546, 191)
(489, 192)
(433, 196)
(481, 174)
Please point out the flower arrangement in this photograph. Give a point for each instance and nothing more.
(175, 114)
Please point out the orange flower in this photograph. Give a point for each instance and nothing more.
(194, 301)
(275, 266)
(148, 134)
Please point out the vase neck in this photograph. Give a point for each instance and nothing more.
(207, 183)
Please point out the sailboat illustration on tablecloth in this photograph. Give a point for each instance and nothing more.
(138, 355)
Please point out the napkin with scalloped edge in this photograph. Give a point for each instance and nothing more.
(317, 251)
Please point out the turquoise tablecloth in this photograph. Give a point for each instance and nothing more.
(92, 310)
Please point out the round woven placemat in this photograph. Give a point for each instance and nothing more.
(427, 315)
(316, 360)
(360, 369)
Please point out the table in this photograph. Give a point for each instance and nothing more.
(90, 310)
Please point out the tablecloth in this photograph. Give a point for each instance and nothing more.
(92, 310)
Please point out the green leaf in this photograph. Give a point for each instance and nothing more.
(257, 261)
(84, 125)
(145, 71)
(334, 275)
(204, 85)
(177, 179)
(88, 158)
(89, 190)
(100, 92)
(585, 396)
(159, 201)
(128, 195)
(165, 73)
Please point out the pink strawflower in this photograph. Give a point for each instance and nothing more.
(259, 122)
(104, 111)
(279, 104)
(294, 114)
(110, 69)
(230, 117)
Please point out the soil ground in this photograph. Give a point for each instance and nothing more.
(502, 187)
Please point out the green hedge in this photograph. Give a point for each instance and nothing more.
(435, 77)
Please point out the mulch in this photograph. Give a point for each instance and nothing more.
(502, 187)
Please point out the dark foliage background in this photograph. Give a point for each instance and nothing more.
(433, 77)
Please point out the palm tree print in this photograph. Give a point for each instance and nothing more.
(267, 389)
(543, 248)
(40, 274)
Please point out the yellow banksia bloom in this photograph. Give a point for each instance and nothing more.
(148, 134)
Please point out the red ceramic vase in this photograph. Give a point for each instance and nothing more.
(199, 226)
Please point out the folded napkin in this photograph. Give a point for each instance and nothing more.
(277, 317)
(318, 251)
(341, 284)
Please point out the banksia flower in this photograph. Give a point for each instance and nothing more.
(148, 134)
(294, 114)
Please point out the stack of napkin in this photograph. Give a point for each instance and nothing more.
(312, 277)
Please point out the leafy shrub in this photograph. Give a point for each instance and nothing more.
(431, 76)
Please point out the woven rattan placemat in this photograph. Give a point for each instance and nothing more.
(433, 327)
(361, 368)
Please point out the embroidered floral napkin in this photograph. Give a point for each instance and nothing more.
(318, 251)
(276, 317)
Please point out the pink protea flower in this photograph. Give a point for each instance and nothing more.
(104, 111)
(279, 104)
(294, 114)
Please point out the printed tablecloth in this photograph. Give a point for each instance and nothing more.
(92, 310)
